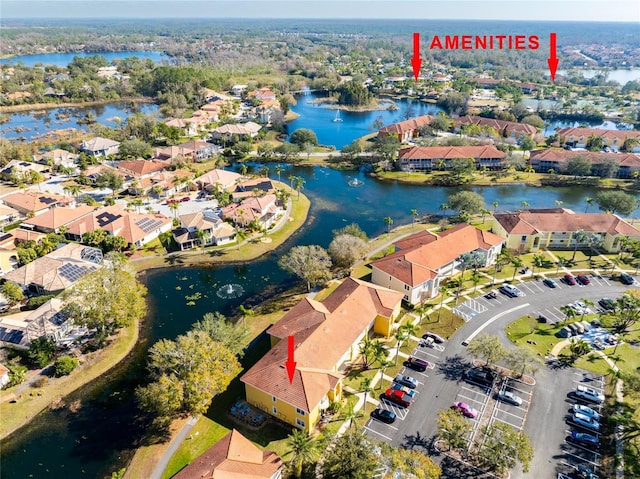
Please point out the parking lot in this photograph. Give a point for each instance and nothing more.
(511, 414)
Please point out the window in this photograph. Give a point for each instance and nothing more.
(406, 297)
(523, 238)
(389, 278)
(273, 398)
(406, 286)
(300, 412)
(299, 423)
(275, 411)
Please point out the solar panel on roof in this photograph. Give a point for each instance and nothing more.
(106, 218)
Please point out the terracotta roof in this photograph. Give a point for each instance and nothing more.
(232, 457)
(596, 157)
(423, 254)
(450, 152)
(323, 333)
(3, 370)
(32, 200)
(560, 220)
(57, 217)
(222, 178)
(140, 167)
(609, 134)
(407, 125)
(98, 143)
(248, 128)
(499, 125)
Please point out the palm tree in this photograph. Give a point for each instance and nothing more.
(174, 207)
(245, 312)
(421, 310)
(503, 259)
(302, 447)
(411, 329)
(388, 221)
(278, 169)
(569, 312)
(202, 236)
(401, 335)
(538, 262)
(298, 184)
(384, 364)
(589, 201)
(444, 291)
(579, 237)
(365, 387)
(444, 207)
(243, 169)
(241, 235)
(495, 206)
(559, 203)
(264, 171)
(72, 190)
(517, 263)
(588, 303)
(414, 214)
(475, 279)
(366, 351)
(524, 204)
(484, 213)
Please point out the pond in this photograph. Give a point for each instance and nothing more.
(63, 59)
(100, 436)
(622, 76)
(30, 124)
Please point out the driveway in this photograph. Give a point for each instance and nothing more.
(549, 398)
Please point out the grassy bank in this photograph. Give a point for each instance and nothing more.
(48, 106)
(252, 248)
(19, 409)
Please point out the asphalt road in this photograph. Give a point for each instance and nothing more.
(550, 400)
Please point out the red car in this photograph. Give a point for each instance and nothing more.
(570, 279)
(398, 397)
(583, 279)
(186, 198)
(465, 409)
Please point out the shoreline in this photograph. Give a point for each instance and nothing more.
(329, 103)
(51, 106)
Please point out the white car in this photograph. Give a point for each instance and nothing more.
(511, 290)
(580, 307)
(586, 421)
(589, 394)
(587, 411)
(509, 397)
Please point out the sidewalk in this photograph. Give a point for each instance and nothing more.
(173, 447)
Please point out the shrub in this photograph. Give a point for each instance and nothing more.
(64, 365)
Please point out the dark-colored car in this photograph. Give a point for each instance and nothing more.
(550, 282)
(384, 415)
(585, 439)
(186, 198)
(607, 303)
(483, 376)
(626, 278)
(436, 337)
(407, 381)
(583, 279)
(417, 364)
(569, 279)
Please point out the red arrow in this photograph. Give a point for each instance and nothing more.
(415, 61)
(291, 364)
(553, 60)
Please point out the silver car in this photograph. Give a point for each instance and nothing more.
(589, 394)
(587, 411)
(509, 397)
(586, 421)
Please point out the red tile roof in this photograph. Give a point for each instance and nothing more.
(499, 125)
(407, 125)
(450, 152)
(596, 157)
(620, 135)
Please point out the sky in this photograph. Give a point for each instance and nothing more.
(530, 10)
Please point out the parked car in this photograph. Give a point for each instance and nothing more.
(626, 278)
(585, 439)
(583, 472)
(436, 337)
(580, 307)
(417, 364)
(589, 394)
(550, 283)
(465, 409)
(569, 279)
(587, 411)
(585, 421)
(482, 376)
(186, 198)
(607, 303)
(384, 415)
(493, 294)
(398, 397)
(583, 279)
(407, 381)
(510, 290)
(509, 397)
(404, 389)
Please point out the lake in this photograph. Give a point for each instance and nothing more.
(33, 123)
(621, 76)
(63, 59)
(100, 436)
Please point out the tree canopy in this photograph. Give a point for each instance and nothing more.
(579, 165)
(616, 201)
(354, 93)
(352, 457)
(345, 250)
(468, 201)
(303, 136)
(503, 448)
(310, 263)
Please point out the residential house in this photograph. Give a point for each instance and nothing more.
(421, 261)
(9, 241)
(188, 127)
(137, 171)
(614, 139)
(100, 147)
(238, 90)
(253, 187)
(33, 203)
(216, 231)
(557, 160)
(199, 150)
(217, 179)
(173, 154)
(427, 158)
(57, 157)
(507, 129)
(555, 228)
(169, 182)
(262, 94)
(53, 220)
(4, 376)
(406, 130)
(327, 336)
(212, 95)
(249, 129)
(262, 211)
(233, 457)
(94, 172)
(490, 83)
(21, 169)
(58, 270)
(136, 228)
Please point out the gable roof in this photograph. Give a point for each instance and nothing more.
(450, 152)
(421, 255)
(608, 134)
(407, 125)
(140, 167)
(596, 157)
(32, 200)
(499, 125)
(232, 457)
(98, 143)
(222, 178)
(57, 217)
(323, 332)
(560, 219)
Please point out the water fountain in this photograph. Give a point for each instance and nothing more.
(229, 291)
(355, 182)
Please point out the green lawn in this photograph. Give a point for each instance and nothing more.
(527, 330)
(445, 326)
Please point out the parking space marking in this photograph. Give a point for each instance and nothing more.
(582, 458)
(375, 421)
(413, 371)
(469, 399)
(422, 351)
(378, 433)
(400, 412)
(515, 426)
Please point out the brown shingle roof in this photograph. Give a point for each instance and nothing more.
(559, 220)
(232, 457)
(323, 333)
